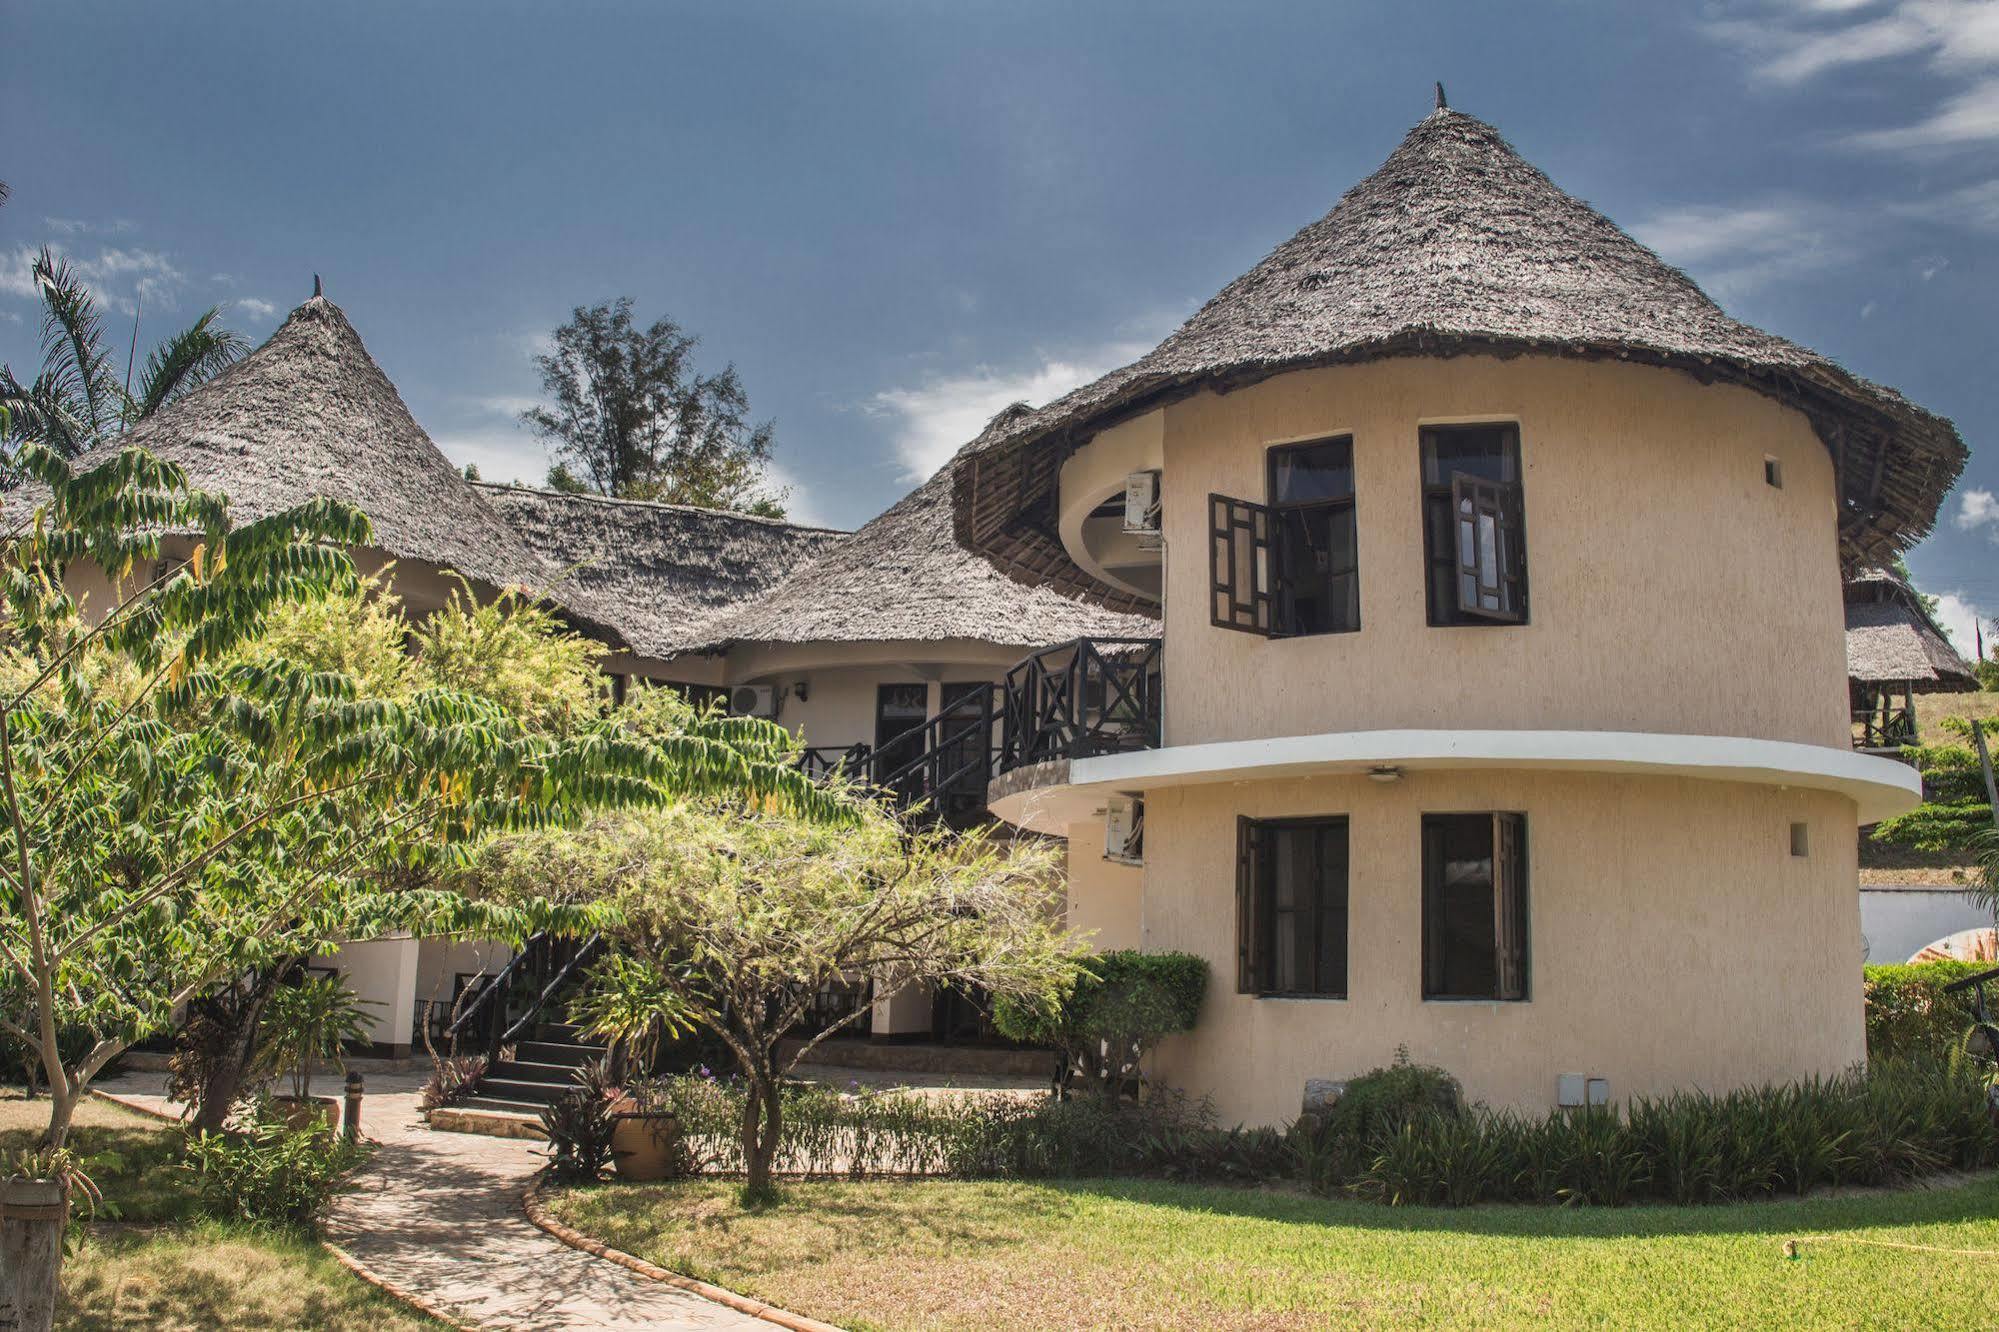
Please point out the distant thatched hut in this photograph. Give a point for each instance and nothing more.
(1894, 651)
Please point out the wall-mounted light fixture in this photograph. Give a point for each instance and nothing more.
(1385, 772)
(798, 691)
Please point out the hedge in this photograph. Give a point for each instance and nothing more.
(1908, 1014)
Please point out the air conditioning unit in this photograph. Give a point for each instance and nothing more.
(1141, 508)
(753, 701)
(1124, 830)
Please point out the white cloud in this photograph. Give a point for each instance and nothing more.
(936, 418)
(1972, 116)
(1790, 42)
(253, 308)
(500, 455)
(1960, 619)
(70, 226)
(1976, 508)
(799, 506)
(1974, 207)
(17, 277)
(1736, 249)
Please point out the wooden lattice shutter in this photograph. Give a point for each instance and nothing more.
(1252, 860)
(1509, 906)
(1239, 559)
(1491, 573)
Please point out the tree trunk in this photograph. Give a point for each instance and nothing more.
(31, 1226)
(763, 1120)
(224, 1084)
(62, 1108)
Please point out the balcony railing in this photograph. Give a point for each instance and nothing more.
(1079, 699)
(1884, 727)
(943, 765)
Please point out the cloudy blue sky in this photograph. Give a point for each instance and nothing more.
(895, 218)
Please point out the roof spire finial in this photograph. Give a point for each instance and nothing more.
(315, 285)
(1442, 105)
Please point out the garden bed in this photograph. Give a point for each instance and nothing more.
(158, 1268)
(896, 1256)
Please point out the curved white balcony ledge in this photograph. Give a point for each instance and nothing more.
(1048, 797)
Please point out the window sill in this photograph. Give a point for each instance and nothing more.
(1471, 999)
(1302, 998)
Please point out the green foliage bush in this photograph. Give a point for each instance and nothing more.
(1122, 1005)
(1409, 1139)
(269, 1173)
(1962, 826)
(1908, 1014)
(861, 1134)
(1902, 1120)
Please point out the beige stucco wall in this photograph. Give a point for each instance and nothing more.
(1674, 940)
(1106, 899)
(841, 679)
(1671, 589)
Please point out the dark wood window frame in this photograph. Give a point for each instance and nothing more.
(1246, 578)
(1259, 919)
(1474, 532)
(1510, 907)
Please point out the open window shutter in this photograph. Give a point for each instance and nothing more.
(1251, 858)
(1485, 520)
(1239, 559)
(1509, 907)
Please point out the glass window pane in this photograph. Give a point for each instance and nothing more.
(1305, 473)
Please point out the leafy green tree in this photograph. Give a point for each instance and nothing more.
(628, 415)
(740, 918)
(174, 812)
(78, 400)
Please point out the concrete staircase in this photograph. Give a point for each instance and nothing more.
(509, 1097)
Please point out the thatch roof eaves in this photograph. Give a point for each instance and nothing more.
(309, 414)
(904, 578)
(668, 569)
(1458, 246)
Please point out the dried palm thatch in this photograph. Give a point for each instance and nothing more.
(310, 414)
(669, 569)
(903, 577)
(1457, 246)
(1891, 639)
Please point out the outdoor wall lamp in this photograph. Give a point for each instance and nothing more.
(1385, 772)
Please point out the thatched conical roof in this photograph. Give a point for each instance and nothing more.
(1456, 245)
(1891, 638)
(310, 414)
(669, 569)
(903, 577)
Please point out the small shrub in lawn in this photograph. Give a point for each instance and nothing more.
(1122, 1006)
(269, 1173)
(579, 1126)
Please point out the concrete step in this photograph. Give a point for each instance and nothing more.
(567, 1053)
(521, 1070)
(490, 1120)
(522, 1092)
(481, 1100)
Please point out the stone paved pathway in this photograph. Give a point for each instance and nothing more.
(439, 1214)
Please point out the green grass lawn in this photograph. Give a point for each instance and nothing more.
(1122, 1253)
(159, 1269)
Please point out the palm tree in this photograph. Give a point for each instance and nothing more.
(77, 401)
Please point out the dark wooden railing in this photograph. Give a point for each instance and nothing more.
(1079, 699)
(1884, 728)
(492, 1015)
(945, 764)
(821, 761)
